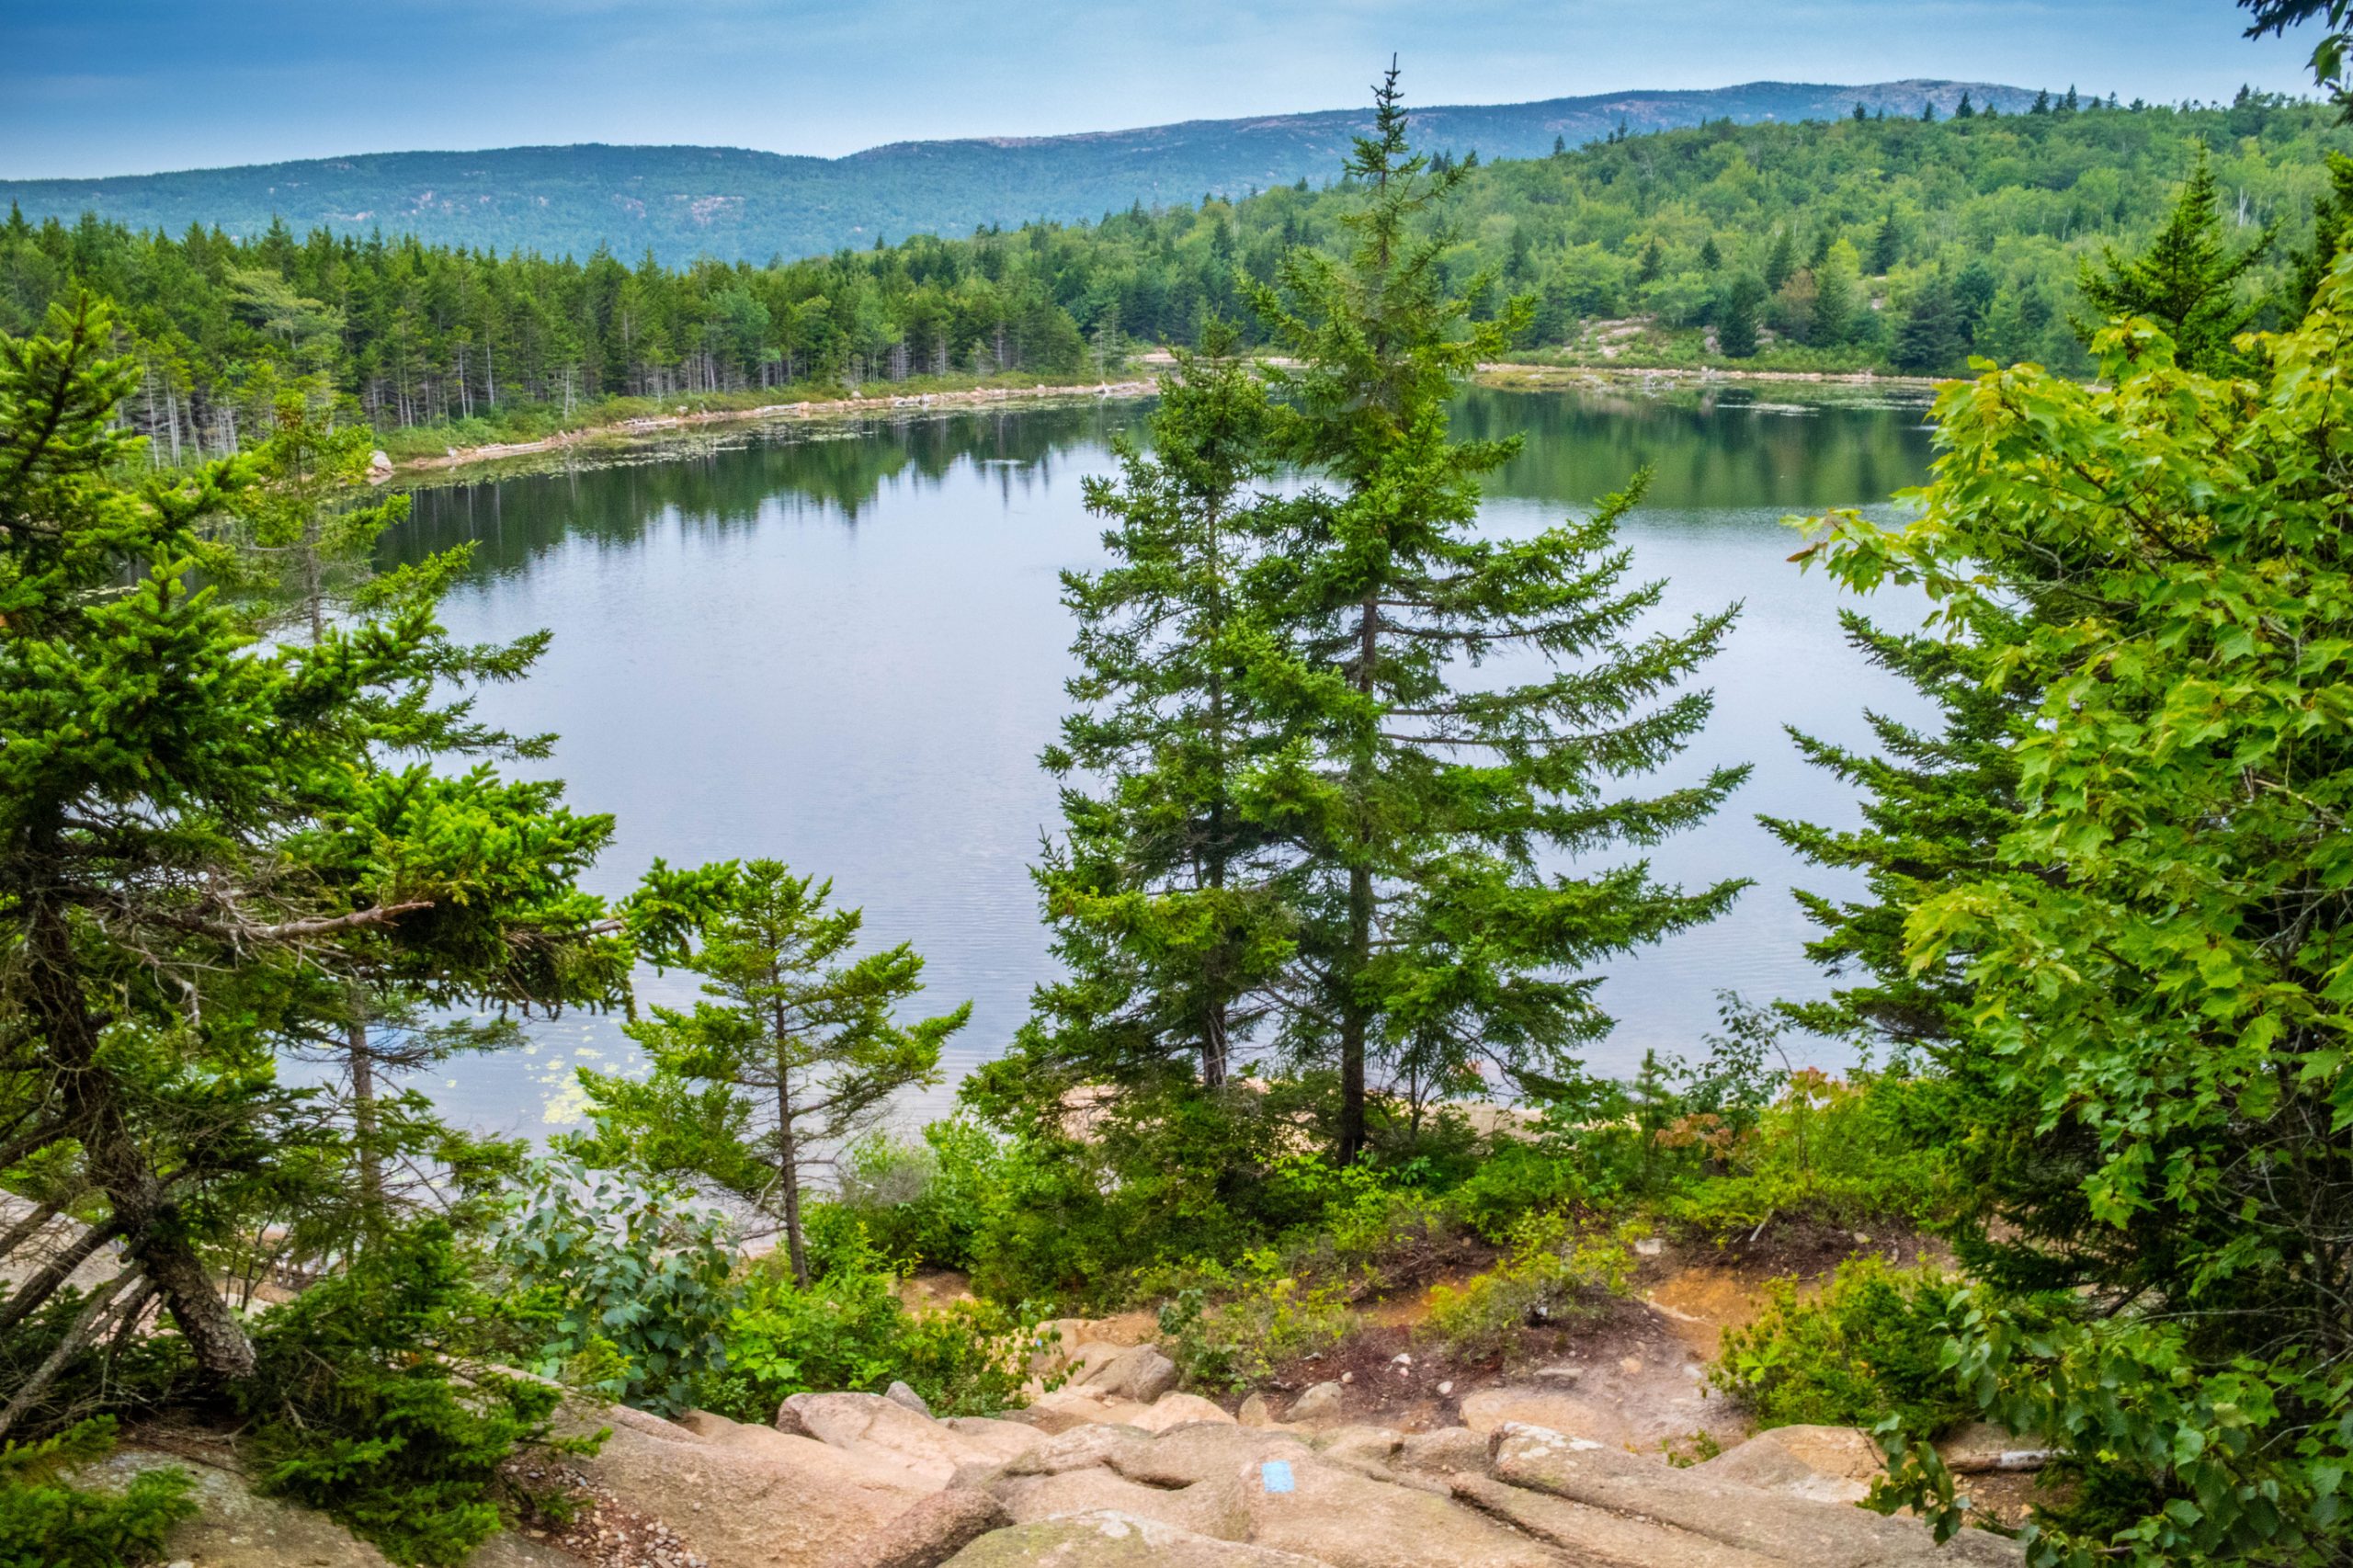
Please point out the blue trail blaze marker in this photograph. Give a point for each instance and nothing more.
(1276, 1475)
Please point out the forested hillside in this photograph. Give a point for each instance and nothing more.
(1887, 243)
(737, 204)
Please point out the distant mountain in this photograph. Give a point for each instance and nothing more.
(733, 203)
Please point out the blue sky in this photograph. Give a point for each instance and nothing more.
(116, 87)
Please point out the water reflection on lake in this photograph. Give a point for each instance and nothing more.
(843, 648)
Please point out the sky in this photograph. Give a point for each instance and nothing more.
(91, 87)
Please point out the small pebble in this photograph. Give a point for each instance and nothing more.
(1631, 1365)
(1348, 1377)
(1446, 1388)
(1401, 1359)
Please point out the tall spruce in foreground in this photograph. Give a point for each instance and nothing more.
(796, 1052)
(1166, 895)
(1439, 942)
(2159, 954)
(202, 847)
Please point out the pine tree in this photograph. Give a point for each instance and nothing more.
(2042, 103)
(1929, 341)
(1836, 283)
(1654, 262)
(1964, 109)
(1435, 941)
(1780, 262)
(795, 1054)
(1860, 113)
(1887, 246)
(2070, 105)
(1736, 317)
(2187, 280)
(1712, 255)
(1559, 146)
(2332, 226)
(1166, 895)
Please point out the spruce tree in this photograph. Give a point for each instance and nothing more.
(207, 840)
(1781, 261)
(794, 1053)
(1165, 893)
(2187, 280)
(1736, 317)
(1887, 246)
(1965, 109)
(1436, 938)
(1836, 284)
(1712, 255)
(1930, 340)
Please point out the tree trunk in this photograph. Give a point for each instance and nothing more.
(363, 1115)
(143, 1211)
(1355, 1017)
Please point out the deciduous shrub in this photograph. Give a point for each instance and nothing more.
(629, 1276)
(1871, 1345)
(1550, 1273)
(847, 1329)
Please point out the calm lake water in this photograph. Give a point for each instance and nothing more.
(844, 647)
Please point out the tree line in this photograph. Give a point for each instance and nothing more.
(1896, 243)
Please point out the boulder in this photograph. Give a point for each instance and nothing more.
(1256, 1412)
(1210, 1508)
(1448, 1450)
(1829, 1464)
(1109, 1540)
(1336, 1516)
(1068, 1407)
(1140, 1372)
(778, 1502)
(871, 1426)
(1320, 1403)
(1379, 1445)
(1081, 1448)
(901, 1394)
(1595, 1536)
(1767, 1525)
(1178, 1409)
(1555, 1409)
(931, 1532)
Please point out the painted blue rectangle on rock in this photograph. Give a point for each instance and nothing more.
(1276, 1475)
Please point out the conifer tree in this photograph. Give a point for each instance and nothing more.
(1836, 284)
(1781, 261)
(1965, 109)
(1737, 316)
(1436, 938)
(1929, 341)
(796, 1052)
(1166, 895)
(197, 875)
(1887, 246)
(1712, 255)
(2187, 280)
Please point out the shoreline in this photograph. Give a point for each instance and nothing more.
(1498, 373)
(625, 431)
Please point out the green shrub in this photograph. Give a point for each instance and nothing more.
(1844, 1153)
(1232, 1326)
(1870, 1345)
(360, 1408)
(44, 1523)
(848, 1330)
(1550, 1275)
(925, 1203)
(1516, 1180)
(631, 1278)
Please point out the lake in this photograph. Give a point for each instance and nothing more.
(842, 646)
